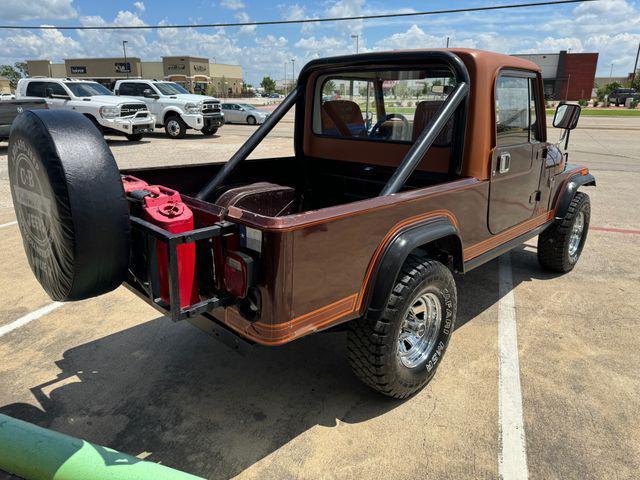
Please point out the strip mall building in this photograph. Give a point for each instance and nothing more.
(194, 73)
(566, 76)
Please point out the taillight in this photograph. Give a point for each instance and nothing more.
(238, 273)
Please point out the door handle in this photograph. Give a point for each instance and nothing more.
(504, 162)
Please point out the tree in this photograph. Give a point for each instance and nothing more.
(636, 82)
(12, 73)
(268, 83)
(329, 88)
(22, 68)
(607, 89)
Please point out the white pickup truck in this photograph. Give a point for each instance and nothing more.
(174, 107)
(110, 114)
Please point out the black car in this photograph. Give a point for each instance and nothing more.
(619, 96)
(10, 109)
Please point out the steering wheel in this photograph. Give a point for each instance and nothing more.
(375, 131)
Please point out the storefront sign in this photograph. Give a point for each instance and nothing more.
(123, 67)
(176, 67)
(77, 70)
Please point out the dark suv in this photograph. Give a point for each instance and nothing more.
(619, 96)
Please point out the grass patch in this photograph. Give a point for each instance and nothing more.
(601, 112)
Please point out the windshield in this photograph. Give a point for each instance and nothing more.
(87, 89)
(248, 105)
(167, 88)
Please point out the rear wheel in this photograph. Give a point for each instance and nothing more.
(398, 354)
(560, 245)
(175, 127)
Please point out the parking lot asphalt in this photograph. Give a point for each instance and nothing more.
(112, 371)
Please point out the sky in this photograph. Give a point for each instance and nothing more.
(609, 27)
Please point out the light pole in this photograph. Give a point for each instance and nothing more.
(293, 70)
(357, 38)
(124, 50)
(447, 42)
(286, 89)
(611, 73)
(635, 67)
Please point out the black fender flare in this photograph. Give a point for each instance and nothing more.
(570, 190)
(395, 254)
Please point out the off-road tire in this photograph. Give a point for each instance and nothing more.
(553, 243)
(207, 131)
(251, 120)
(136, 137)
(175, 127)
(373, 345)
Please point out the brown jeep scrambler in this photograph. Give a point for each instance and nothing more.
(408, 166)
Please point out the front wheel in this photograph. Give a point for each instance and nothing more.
(560, 245)
(398, 354)
(175, 127)
(251, 120)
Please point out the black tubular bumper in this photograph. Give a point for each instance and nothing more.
(213, 120)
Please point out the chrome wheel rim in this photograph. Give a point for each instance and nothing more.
(576, 235)
(419, 330)
(173, 127)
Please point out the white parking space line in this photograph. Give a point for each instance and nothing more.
(2, 225)
(30, 317)
(513, 453)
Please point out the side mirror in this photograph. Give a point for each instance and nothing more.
(148, 93)
(48, 92)
(116, 91)
(567, 115)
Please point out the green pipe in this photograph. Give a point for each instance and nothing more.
(35, 453)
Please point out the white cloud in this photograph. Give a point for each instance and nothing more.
(42, 9)
(232, 4)
(413, 38)
(347, 8)
(244, 17)
(139, 6)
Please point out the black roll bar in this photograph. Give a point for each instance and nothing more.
(426, 139)
(249, 146)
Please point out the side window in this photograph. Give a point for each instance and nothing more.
(36, 89)
(56, 88)
(512, 110)
(533, 111)
(139, 89)
(126, 88)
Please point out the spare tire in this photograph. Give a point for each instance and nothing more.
(69, 203)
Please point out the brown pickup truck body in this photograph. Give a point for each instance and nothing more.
(362, 217)
(319, 268)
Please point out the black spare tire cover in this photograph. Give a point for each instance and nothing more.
(69, 203)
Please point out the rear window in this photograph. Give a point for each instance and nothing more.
(382, 105)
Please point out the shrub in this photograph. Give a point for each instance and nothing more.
(634, 104)
(583, 103)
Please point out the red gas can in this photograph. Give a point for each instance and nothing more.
(163, 207)
(131, 184)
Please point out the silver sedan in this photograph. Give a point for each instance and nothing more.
(243, 113)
